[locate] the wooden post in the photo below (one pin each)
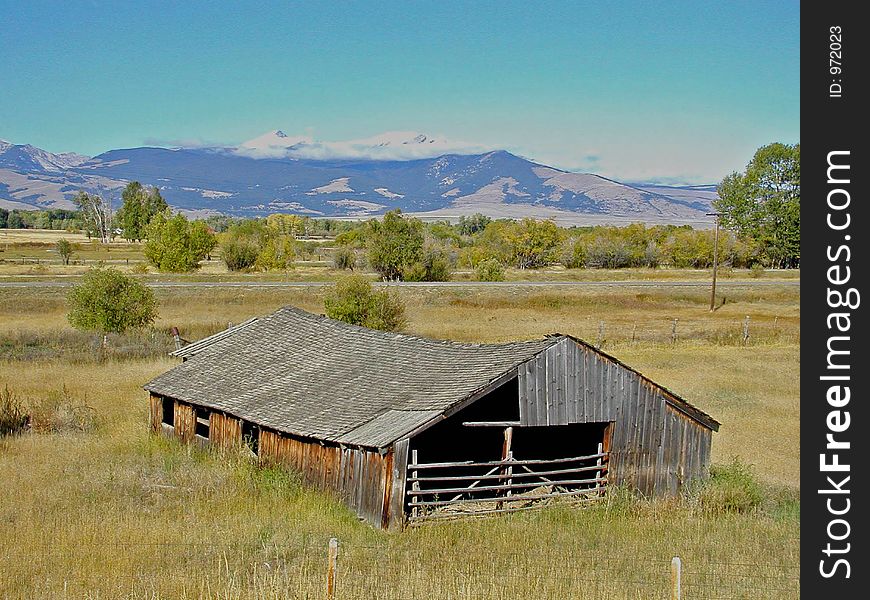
(633, 333)
(415, 485)
(674, 332)
(715, 262)
(598, 473)
(745, 330)
(177, 338)
(600, 335)
(506, 454)
(332, 559)
(676, 575)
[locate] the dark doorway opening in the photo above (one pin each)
(168, 409)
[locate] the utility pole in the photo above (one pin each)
(715, 261)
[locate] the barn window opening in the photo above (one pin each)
(168, 407)
(482, 459)
(251, 436)
(202, 422)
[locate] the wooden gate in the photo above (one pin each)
(454, 489)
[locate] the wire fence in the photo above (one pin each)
(390, 571)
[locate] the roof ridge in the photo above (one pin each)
(550, 337)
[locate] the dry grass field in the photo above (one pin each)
(110, 512)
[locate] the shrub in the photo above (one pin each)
(60, 412)
(238, 254)
(13, 418)
(490, 270)
(756, 270)
(573, 254)
(109, 301)
(344, 259)
(433, 266)
(353, 300)
(731, 488)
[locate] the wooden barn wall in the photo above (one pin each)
(155, 412)
(185, 422)
(655, 447)
(224, 431)
(361, 477)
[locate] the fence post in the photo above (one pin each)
(676, 576)
(745, 330)
(332, 558)
(598, 473)
(600, 334)
(415, 485)
(674, 332)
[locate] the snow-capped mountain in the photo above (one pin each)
(358, 178)
(390, 145)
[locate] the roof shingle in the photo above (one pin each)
(308, 375)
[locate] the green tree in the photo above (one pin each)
(353, 300)
(470, 225)
(139, 206)
(177, 245)
(533, 243)
(763, 202)
(109, 301)
(394, 245)
(65, 249)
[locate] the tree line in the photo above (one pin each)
(759, 210)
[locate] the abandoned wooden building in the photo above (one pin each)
(404, 427)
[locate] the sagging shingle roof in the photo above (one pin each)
(308, 375)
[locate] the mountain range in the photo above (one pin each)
(356, 179)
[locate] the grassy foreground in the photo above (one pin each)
(113, 513)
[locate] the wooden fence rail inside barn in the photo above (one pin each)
(447, 489)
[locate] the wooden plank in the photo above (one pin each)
(570, 381)
(491, 423)
(516, 475)
(660, 483)
(585, 492)
(522, 393)
(155, 405)
(185, 422)
(505, 487)
(487, 511)
(541, 389)
(530, 414)
(562, 383)
(494, 463)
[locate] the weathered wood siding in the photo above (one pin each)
(224, 431)
(655, 447)
(155, 413)
(185, 422)
(362, 478)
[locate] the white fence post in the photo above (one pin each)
(676, 576)
(332, 559)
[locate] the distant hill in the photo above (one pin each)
(262, 177)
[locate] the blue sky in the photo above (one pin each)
(636, 90)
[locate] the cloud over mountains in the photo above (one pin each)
(390, 145)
